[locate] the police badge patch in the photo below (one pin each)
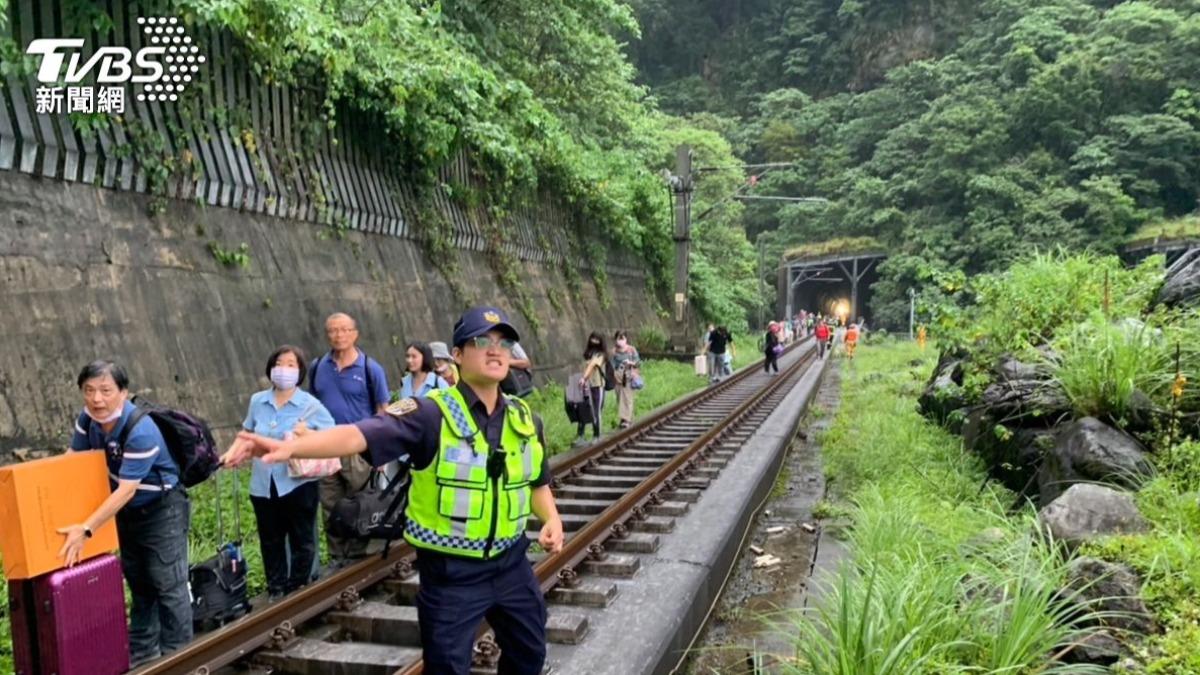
(402, 407)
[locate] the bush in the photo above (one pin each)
(922, 591)
(651, 339)
(1101, 365)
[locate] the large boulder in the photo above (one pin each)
(1011, 455)
(1096, 647)
(1024, 394)
(1112, 589)
(1090, 450)
(1182, 285)
(1086, 512)
(943, 394)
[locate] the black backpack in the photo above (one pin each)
(373, 513)
(188, 438)
(610, 375)
(218, 584)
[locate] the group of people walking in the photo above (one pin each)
(618, 371)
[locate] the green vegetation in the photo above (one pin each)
(840, 245)
(539, 96)
(1038, 303)
(237, 257)
(1090, 329)
(6, 657)
(939, 578)
(1178, 228)
(958, 133)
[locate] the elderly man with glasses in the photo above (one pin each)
(353, 387)
(479, 468)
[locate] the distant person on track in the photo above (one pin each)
(711, 358)
(719, 347)
(626, 364)
(772, 348)
(469, 531)
(592, 382)
(821, 333)
(285, 506)
(851, 340)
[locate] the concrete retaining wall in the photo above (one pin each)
(86, 273)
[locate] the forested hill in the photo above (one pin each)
(960, 133)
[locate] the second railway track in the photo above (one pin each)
(618, 499)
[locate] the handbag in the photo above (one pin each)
(636, 382)
(312, 468)
(373, 513)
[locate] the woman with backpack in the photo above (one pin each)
(594, 357)
(285, 495)
(625, 363)
(772, 348)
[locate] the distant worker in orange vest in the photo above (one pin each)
(921, 337)
(851, 339)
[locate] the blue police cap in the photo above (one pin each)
(479, 320)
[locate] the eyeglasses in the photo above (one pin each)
(484, 342)
(339, 331)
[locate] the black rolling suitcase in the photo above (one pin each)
(218, 584)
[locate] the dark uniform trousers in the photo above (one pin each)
(456, 594)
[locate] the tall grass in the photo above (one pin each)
(1102, 364)
(939, 578)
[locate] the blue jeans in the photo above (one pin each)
(154, 558)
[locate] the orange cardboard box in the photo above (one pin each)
(38, 497)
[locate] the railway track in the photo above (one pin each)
(617, 499)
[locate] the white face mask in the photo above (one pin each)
(105, 420)
(285, 378)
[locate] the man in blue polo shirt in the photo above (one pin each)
(352, 386)
(151, 509)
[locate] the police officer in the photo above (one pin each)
(479, 467)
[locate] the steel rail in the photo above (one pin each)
(275, 624)
(611, 522)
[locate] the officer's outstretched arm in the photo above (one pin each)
(339, 441)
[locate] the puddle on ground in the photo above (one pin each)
(758, 604)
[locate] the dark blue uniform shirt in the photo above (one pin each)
(419, 433)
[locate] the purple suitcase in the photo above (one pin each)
(71, 621)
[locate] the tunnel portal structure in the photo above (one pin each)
(819, 283)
